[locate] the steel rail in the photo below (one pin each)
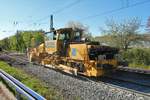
(130, 81)
(20, 87)
(112, 85)
(99, 81)
(134, 70)
(127, 89)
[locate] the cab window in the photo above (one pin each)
(50, 36)
(77, 36)
(63, 36)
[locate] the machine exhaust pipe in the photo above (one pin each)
(51, 23)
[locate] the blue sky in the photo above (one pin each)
(28, 12)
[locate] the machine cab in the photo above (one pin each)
(58, 40)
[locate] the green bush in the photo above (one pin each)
(137, 56)
(22, 40)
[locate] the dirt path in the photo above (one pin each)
(5, 94)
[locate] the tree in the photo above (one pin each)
(28, 35)
(77, 26)
(123, 34)
(148, 24)
(5, 44)
(27, 38)
(13, 43)
(39, 37)
(20, 42)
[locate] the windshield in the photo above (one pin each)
(50, 36)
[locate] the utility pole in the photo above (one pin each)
(51, 23)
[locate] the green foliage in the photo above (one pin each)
(30, 81)
(137, 56)
(139, 66)
(27, 38)
(22, 40)
(39, 38)
(20, 44)
(5, 44)
(13, 43)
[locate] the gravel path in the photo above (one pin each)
(74, 88)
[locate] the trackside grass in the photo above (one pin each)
(140, 66)
(31, 82)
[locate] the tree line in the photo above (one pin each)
(22, 40)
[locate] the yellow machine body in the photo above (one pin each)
(64, 49)
(79, 52)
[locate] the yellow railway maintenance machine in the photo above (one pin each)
(66, 50)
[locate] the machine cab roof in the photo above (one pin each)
(64, 34)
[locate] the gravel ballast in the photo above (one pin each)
(74, 88)
(79, 89)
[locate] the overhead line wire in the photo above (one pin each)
(115, 10)
(61, 9)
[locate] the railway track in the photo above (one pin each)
(134, 70)
(112, 80)
(128, 85)
(120, 84)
